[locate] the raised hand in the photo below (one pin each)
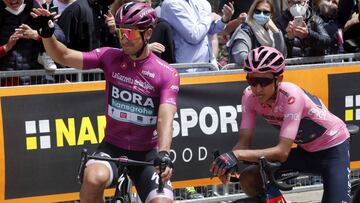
(228, 11)
(44, 22)
(110, 21)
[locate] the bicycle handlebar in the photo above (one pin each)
(122, 161)
(267, 170)
(270, 168)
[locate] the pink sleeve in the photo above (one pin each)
(293, 109)
(170, 87)
(93, 59)
(248, 115)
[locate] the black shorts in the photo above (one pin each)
(332, 164)
(144, 178)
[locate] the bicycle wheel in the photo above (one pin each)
(356, 197)
(248, 200)
(355, 191)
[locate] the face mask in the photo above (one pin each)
(261, 19)
(16, 11)
(297, 10)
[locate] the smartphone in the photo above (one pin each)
(298, 20)
(54, 9)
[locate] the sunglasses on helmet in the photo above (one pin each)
(263, 82)
(130, 34)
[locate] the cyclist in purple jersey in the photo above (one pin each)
(141, 93)
(322, 138)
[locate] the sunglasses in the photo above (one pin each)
(263, 82)
(257, 11)
(130, 34)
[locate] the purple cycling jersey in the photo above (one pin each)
(299, 116)
(134, 92)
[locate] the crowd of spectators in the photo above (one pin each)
(187, 31)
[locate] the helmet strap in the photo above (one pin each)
(276, 88)
(141, 50)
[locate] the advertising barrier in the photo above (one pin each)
(44, 128)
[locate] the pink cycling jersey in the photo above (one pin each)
(299, 116)
(134, 91)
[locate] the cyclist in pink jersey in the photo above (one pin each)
(141, 93)
(322, 138)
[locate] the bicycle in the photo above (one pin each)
(123, 185)
(272, 187)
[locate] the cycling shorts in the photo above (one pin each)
(141, 176)
(332, 164)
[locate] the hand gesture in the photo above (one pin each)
(110, 21)
(26, 32)
(290, 30)
(12, 41)
(301, 31)
(271, 26)
(157, 47)
(44, 22)
(228, 11)
(242, 17)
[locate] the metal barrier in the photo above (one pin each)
(338, 58)
(36, 77)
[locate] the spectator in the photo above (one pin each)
(259, 29)
(88, 25)
(161, 41)
(328, 10)
(345, 9)
(239, 16)
(48, 4)
(62, 4)
(193, 24)
(352, 31)
(20, 41)
(305, 37)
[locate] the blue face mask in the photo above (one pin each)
(261, 19)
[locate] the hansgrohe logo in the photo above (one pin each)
(352, 107)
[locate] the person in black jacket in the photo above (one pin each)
(306, 36)
(88, 24)
(328, 11)
(352, 31)
(20, 43)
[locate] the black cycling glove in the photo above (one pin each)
(45, 26)
(227, 161)
(163, 160)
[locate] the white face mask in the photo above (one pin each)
(297, 10)
(16, 11)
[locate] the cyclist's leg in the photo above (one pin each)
(97, 176)
(250, 181)
(146, 182)
(336, 173)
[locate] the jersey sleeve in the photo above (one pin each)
(93, 59)
(293, 109)
(248, 115)
(170, 87)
